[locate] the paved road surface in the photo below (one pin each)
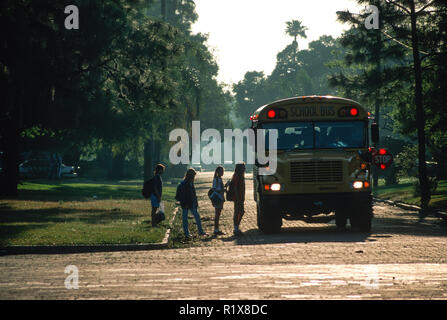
(401, 259)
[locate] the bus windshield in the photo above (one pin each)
(317, 135)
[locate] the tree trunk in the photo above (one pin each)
(171, 8)
(105, 159)
(118, 167)
(163, 9)
(378, 101)
(10, 172)
(375, 170)
(9, 178)
(420, 115)
(148, 159)
(441, 163)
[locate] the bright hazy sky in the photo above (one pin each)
(246, 35)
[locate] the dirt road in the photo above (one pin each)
(401, 259)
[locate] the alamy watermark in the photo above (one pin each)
(372, 277)
(211, 153)
(72, 280)
(372, 21)
(72, 20)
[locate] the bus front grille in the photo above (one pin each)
(316, 171)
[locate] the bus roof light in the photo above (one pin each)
(271, 114)
(354, 112)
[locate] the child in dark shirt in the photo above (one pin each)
(157, 191)
(239, 196)
(189, 202)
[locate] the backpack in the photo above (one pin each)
(180, 192)
(148, 188)
(210, 192)
(160, 215)
(215, 196)
(230, 191)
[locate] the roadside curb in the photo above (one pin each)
(406, 206)
(72, 249)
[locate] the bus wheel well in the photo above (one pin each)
(269, 220)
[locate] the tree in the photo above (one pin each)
(373, 52)
(296, 73)
(250, 94)
(44, 67)
(197, 93)
(295, 29)
(102, 82)
(409, 26)
(417, 16)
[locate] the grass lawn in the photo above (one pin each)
(404, 192)
(75, 212)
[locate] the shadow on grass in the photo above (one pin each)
(14, 222)
(55, 215)
(74, 192)
(82, 190)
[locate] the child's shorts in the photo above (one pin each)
(154, 201)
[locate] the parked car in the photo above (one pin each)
(34, 168)
(40, 168)
(68, 171)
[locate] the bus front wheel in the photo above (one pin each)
(269, 220)
(341, 219)
(361, 217)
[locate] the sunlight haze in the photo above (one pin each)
(246, 35)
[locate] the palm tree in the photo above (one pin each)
(295, 29)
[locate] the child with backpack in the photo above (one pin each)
(236, 193)
(186, 195)
(217, 197)
(153, 189)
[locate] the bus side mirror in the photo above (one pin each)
(375, 133)
(366, 156)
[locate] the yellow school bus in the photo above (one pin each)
(323, 168)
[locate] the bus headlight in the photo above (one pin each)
(272, 187)
(357, 184)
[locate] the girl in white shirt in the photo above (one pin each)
(219, 188)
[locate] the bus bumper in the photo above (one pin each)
(312, 204)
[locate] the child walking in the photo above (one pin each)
(238, 181)
(189, 202)
(158, 191)
(218, 198)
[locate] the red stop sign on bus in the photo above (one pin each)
(382, 158)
